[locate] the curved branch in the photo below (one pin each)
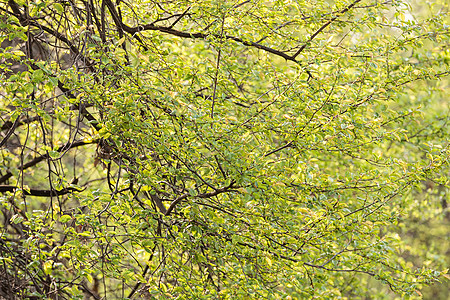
(8, 124)
(39, 193)
(38, 159)
(26, 20)
(197, 35)
(10, 131)
(339, 270)
(322, 28)
(175, 202)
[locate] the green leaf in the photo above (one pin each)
(59, 8)
(16, 219)
(65, 218)
(48, 267)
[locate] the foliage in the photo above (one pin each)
(223, 149)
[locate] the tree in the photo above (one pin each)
(221, 149)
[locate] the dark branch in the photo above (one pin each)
(322, 28)
(38, 159)
(26, 20)
(8, 124)
(10, 131)
(39, 193)
(205, 195)
(338, 270)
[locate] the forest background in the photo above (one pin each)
(224, 149)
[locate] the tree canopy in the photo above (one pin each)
(223, 149)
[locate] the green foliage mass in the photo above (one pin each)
(224, 149)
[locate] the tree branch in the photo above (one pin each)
(39, 193)
(38, 159)
(322, 28)
(205, 195)
(10, 131)
(197, 35)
